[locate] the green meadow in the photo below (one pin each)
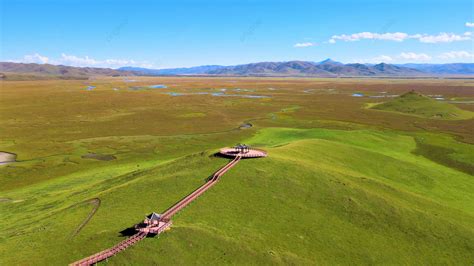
(413, 103)
(343, 184)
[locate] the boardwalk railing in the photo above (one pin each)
(111, 251)
(188, 199)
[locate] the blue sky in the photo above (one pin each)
(162, 34)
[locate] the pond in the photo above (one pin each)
(246, 125)
(182, 94)
(7, 157)
(158, 86)
(438, 97)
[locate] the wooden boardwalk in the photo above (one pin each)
(111, 251)
(198, 192)
(165, 220)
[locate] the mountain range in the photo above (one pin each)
(326, 68)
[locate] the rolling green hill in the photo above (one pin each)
(321, 197)
(414, 103)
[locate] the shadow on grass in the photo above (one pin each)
(128, 232)
(220, 155)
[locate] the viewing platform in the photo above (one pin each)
(243, 151)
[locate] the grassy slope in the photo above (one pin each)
(416, 104)
(323, 196)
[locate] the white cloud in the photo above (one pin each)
(457, 55)
(411, 57)
(396, 36)
(304, 44)
(382, 59)
(72, 60)
(401, 36)
(442, 37)
(77, 61)
(34, 58)
(469, 24)
(414, 56)
(375, 60)
(400, 58)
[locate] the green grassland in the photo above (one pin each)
(341, 185)
(419, 105)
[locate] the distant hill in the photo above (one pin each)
(10, 70)
(326, 68)
(454, 69)
(291, 68)
(414, 103)
(173, 71)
